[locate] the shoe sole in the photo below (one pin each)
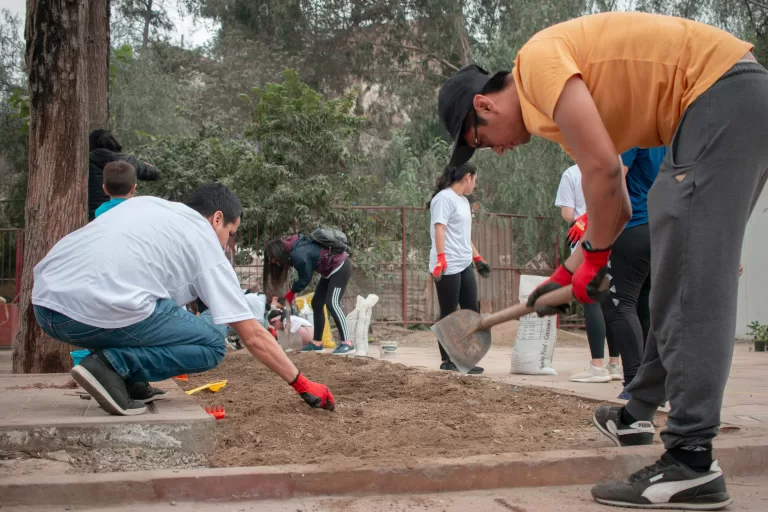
(145, 401)
(89, 383)
(669, 506)
(350, 353)
(606, 433)
(592, 380)
(617, 377)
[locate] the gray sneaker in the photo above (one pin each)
(106, 386)
(615, 371)
(667, 484)
(607, 419)
(592, 374)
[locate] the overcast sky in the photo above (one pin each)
(195, 34)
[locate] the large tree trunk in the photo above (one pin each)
(58, 163)
(98, 64)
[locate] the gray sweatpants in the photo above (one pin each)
(698, 210)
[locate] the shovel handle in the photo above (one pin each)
(554, 298)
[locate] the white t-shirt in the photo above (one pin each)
(453, 210)
(297, 323)
(110, 272)
(569, 193)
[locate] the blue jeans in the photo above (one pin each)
(170, 342)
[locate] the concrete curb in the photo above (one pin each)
(738, 457)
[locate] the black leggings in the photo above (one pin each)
(593, 318)
(329, 293)
(457, 290)
(626, 310)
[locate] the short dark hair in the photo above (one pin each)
(103, 139)
(275, 313)
(210, 198)
(119, 178)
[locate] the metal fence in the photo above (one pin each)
(11, 241)
(391, 253)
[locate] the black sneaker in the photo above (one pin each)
(143, 392)
(667, 484)
(449, 366)
(607, 419)
(106, 386)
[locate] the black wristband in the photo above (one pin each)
(588, 247)
(297, 378)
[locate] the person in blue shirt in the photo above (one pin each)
(119, 184)
(627, 310)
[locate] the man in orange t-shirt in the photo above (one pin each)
(599, 85)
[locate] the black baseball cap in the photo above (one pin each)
(455, 103)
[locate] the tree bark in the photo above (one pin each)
(98, 64)
(147, 23)
(58, 159)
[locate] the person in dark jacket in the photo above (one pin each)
(307, 257)
(103, 148)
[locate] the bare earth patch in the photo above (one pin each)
(386, 414)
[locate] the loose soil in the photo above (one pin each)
(386, 414)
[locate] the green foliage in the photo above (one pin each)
(288, 170)
(145, 97)
(758, 331)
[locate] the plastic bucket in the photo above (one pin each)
(387, 348)
(79, 355)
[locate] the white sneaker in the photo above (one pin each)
(616, 371)
(592, 374)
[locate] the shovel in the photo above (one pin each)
(466, 335)
(216, 386)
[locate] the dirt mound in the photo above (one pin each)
(386, 414)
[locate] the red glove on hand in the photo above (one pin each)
(589, 276)
(482, 266)
(289, 297)
(440, 268)
(559, 278)
(577, 230)
(273, 332)
(317, 396)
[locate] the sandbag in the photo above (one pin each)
(536, 337)
(359, 322)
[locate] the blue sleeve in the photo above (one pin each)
(304, 268)
(628, 157)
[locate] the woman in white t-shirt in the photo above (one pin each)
(452, 254)
(303, 328)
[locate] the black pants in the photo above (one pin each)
(626, 309)
(454, 291)
(329, 293)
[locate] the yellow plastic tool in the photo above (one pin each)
(327, 340)
(213, 386)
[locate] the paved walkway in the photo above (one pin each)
(749, 495)
(746, 397)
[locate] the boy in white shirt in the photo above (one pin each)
(116, 287)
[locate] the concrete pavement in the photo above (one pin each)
(749, 495)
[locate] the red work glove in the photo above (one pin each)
(317, 396)
(440, 268)
(289, 297)
(482, 266)
(272, 331)
(589, 276)
(559, 278)
(577, 230)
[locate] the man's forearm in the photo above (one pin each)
(263, 347)
(605, 193)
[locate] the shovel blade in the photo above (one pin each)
(462, 339)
